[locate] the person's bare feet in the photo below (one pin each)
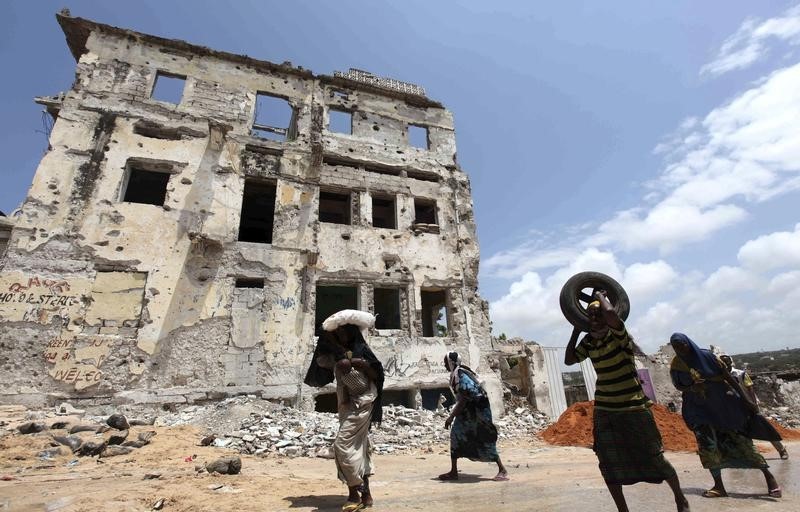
(450, 475)
(683, 505)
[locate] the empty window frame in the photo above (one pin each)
(418, 136)
(144, 186)
(334, 207)
(387, 308)
(168, 87)
(384, 213)
(275, 118)
(331, 299)
(435, 320)
(258, 212)
(424, 211)
(340, 121)
(249, 282)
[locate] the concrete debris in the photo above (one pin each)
(66, 409)
(225, 466)
(90, 449)
(277, 430)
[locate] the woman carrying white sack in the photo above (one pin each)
(342, 353)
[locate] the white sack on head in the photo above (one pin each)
(362, 319)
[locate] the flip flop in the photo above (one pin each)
(501, 478)
(448, 476)
(352, 506)
(776, 492)
(784, 454)
(713, 493)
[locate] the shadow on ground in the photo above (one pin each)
(320, 502)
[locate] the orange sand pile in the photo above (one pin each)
(790, 434)
(574, 428)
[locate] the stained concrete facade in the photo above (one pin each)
(129, 275)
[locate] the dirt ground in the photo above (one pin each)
(542, 478)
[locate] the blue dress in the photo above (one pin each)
(473, 434)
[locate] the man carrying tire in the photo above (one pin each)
(626, 440)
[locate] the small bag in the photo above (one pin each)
(355, 382)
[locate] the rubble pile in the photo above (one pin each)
(274, 429)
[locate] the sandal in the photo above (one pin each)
(784, 454)
(352, 506)
(776, 492)
(714, 493)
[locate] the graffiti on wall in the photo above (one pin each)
(39, 299)
(76, 360)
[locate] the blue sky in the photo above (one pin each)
(657, 142)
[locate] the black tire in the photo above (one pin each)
(572, 295)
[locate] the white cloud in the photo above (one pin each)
(772, 251)
(645, 280)
(716, 169)
(749, 43)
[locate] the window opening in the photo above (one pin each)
(418, 136)
(431, 398)
(275, 118)
(168, 87)
(326, 402)
(249, 282)
(258, 212)
(339, 94)
(146, 187)
(340, 121)
(404, 397)
(424, 211)
(383, 212)
(331, 299)
(334, 207)
(387, 308)
(435, 321)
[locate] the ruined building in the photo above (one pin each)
(199, 213)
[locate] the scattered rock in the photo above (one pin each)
(83, 428)
(118, 421)
(50, 453)
(208, 440)
(66, 409)
(91, 448)
(114, 450)
(145, 437)
(225, 466)
(142, 422)
(59, 425)
(152, 476)
(31, 427)
(159, 504)
(73, 442)
(118, 437)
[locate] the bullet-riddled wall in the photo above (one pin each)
(184, 248)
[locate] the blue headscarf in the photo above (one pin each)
(700, 359)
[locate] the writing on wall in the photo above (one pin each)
(76, 360)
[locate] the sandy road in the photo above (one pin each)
(542, 478)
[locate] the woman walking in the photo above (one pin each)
(717, 416)
(472, 432)
(343, 353)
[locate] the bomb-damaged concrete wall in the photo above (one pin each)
(104, 299)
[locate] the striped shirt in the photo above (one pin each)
(618, 387)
